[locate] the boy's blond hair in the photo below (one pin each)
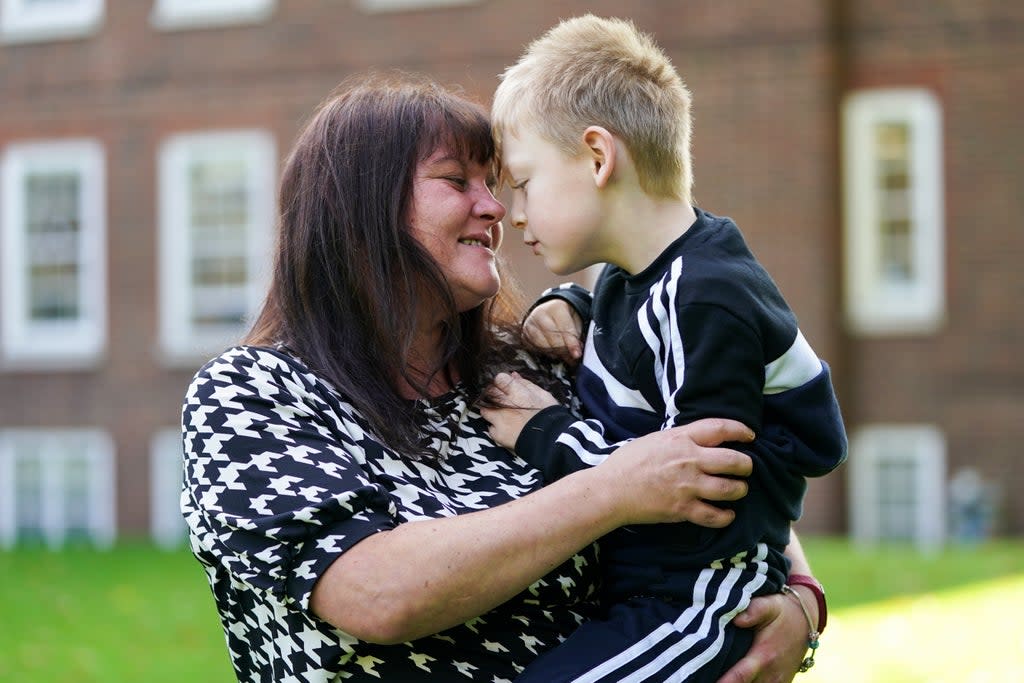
(589, 71)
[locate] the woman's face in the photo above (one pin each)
(456, 218)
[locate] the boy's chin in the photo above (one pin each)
(560, 267)
(568, 270)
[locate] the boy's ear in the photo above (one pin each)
(600, 145)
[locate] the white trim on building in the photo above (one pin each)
(216, 214)
(53, 255)
(56, 486)
(897, 484)
(894, 211)
(186, 14)
(24, 21)
(374, 6)
(167, 526)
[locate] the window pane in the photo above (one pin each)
(52, 235)
(76, 498)
(28, 498)
(219, 221)
(893, 178)
(897, 499)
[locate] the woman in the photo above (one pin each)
(354, 519)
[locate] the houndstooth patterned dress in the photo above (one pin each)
(281, 477)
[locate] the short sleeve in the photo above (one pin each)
(275, 483)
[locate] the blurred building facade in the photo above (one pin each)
(870, 150)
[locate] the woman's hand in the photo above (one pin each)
(780, 639)
(675, 475)
(556, 328)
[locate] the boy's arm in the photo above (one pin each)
(529, 421)
(804, 427)
(719, 369)
(578, 297)
(556, 323)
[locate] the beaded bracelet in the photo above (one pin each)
(812, 635)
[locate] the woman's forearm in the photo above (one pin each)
(425, 576)
(798, 563)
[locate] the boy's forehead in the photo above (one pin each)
(516, 147)
(526, 147)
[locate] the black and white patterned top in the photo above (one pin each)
(282, 476)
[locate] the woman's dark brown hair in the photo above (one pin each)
(349, 278)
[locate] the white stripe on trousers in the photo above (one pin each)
(674, 650)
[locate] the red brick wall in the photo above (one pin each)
(966, 378)
(765, 77)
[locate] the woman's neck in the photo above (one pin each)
(423, 366)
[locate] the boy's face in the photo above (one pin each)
(554, 201)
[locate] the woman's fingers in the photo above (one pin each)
(707, 515)
(712, 431)
(780, 641)
(718, 484)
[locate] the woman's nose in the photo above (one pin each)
(490, 208)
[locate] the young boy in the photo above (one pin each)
(593, 127)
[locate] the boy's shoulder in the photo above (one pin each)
(711, 248)
(712, 264)
(714, 248)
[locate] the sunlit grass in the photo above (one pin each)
(963, 635)
(853, 576)
(136, 613)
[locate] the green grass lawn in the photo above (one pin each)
(140, 614)
(132, 614)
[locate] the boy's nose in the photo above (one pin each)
(519, 220)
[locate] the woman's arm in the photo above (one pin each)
(423, 577)
(781, 630)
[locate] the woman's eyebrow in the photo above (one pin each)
(447, 159)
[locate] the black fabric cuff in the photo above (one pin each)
(536, 443)
(575, 295)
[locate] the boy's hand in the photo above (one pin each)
(520, 399)
(556, 328)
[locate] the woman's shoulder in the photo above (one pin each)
(260, 367)
(277, 359)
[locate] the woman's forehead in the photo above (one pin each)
(460, 138)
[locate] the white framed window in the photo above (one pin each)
(893, 212)
(402, 5)
(217, 212)
(53, 255)
(178, 14)
(167, 526)
(897, 487)
(41, 20)
(56, 487)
